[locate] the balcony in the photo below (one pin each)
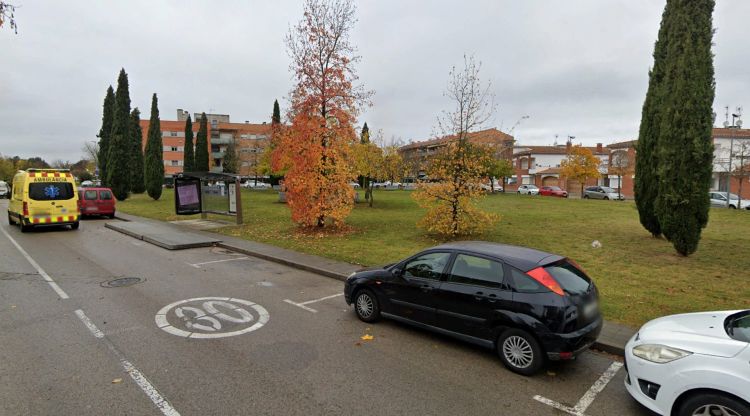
(222, 140)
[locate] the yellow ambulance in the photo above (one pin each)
(43, 197)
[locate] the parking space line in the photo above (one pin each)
(588, 397)
(38, 268)
(302, 304)
(161, 403)
(197, 265)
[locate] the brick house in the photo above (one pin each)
(417, 155)
(541, 166)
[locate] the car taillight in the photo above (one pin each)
(25, 209)
(541, 276)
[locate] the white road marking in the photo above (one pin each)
(161, 403)
(197, 265)
(208, 312)
(302, 304)
(588, 397)
(291, 302)
(38, 268)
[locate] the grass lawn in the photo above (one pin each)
(639, 277)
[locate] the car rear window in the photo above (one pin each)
(571, 278)
(105, 195)
(50, 191)
(738, 326)
(89, 195)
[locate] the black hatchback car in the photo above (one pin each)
(526, 304)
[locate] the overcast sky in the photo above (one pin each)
(576, 67)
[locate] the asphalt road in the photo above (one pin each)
(102, 350)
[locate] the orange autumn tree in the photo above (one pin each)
(460, 166)
(314, 148)
(580, 164)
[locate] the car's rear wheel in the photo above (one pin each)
(366, 306)
(732, 207)
(606, 198)
(520, 352)
(10, 219)
(24, 228)
(75, 225)
(710, 404)
(585, 197)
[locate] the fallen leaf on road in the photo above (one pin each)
(367, 337)
(358, 344)
(117, 381)
(551, 373)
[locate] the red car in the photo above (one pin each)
(96, 201)
(553, 191)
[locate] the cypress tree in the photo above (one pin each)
(137, 186)
(104, 133)
(276, 117)
(188, 164)
(201, 146)
(231, 160)
(364, 137)
(646, 162)
(685, 148)
(120, 146)
(153, 171)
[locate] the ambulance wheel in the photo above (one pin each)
(75, 225)
(25, 228)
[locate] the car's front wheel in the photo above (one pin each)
(520, 352)
(713, 404)
(585, 197)
(366, 306)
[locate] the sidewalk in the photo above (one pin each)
(612, 338)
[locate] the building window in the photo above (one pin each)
(526, 180)
(261, 137)
(173, 148)
(253, 137)
(175, 162)
(243, 136)
(524, 163)
(173, 133)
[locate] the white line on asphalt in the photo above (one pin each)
(302, 304)
(197, 265)
(141, 380)
(291, 302)
(588, 397)
(38, 268)
(318, 300)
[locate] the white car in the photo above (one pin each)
(259, 185)
(692, 364)
(528, 190)
(719, 199)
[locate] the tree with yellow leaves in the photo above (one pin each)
(460, 166)
(580, 164)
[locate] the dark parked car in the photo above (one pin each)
(526, 304)
(553, 191)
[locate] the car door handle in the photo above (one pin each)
(479, 295)
(492, 298)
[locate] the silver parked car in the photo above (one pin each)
(719, 199)
(602, 192)
(528, 190)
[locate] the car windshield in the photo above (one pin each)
(50, 191)
(608, 190)
(738, 326)
(532, 187)
(554, 188)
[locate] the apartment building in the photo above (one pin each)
(250, 142)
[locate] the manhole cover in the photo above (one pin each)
(122, 282)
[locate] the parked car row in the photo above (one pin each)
(531, 307)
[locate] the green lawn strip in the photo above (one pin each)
(639, 277)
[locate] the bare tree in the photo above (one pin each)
(620, 165)
(90, 151)
(459, 165)
(741, 168)
(8, 13)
